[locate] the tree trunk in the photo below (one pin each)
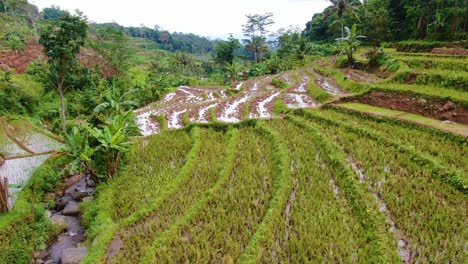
(342, 28)
(62, 105)
(3, 194)
(255, 53)
(4, 7)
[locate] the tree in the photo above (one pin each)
(340, 7)
(232, 70)
(224, 50)
(62, 41)
(256, 30)
(377, 22)
(53, 13)
(112, 44)
(351, 42)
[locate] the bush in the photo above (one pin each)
(378, 58)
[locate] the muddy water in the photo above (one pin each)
(229, 114)
(203, 114)
(23, 154)
(261, 110)
(176, 119)
(18, 172)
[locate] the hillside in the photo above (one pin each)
(305, 186)
(137, 145)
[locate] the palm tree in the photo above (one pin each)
(340, 7)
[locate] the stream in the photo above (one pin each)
(66, 247)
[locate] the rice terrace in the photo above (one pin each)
(344, 142)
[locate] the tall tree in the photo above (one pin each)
(340, 7)
(112, 44)
(62, 41)
(256, 29)
(377, 23)
(224, 50)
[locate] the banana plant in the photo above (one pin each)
(112, 144)
(79, 150)
(351, 42)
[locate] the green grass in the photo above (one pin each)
(436, 63)
(26, 228)
(427, 91)
(279, 84)
(421, 120)
(436, 77)
(207, 165)
(315, 226)
(316, 92)
(408, 134)
(428, 212)
(160, 159)
(215, 234)
(346, 83)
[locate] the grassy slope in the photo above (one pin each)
(418, 119)
(428, 211)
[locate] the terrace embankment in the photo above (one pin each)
(437, 108)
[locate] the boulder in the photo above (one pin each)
(72, 208)
(449, 106)
(88, 199)
(73, 255)
(62, 202)
(78, 195)
(58, 219)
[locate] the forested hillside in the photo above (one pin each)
(340, 141)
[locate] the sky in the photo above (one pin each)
(210, 18)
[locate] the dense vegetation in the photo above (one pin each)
(372, 170)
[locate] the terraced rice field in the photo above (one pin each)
(332, 181)
(24, 148)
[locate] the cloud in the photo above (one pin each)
(213, 18)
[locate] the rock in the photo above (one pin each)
(58, 219)
(78, 195)
(422, 101)
(449, 106)
(73, 255)
(50, 261)
(62, 202)
(90, 182)
(41, 254)
(448, 122)
(39, 261)
(72, 208)
(88, 199)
